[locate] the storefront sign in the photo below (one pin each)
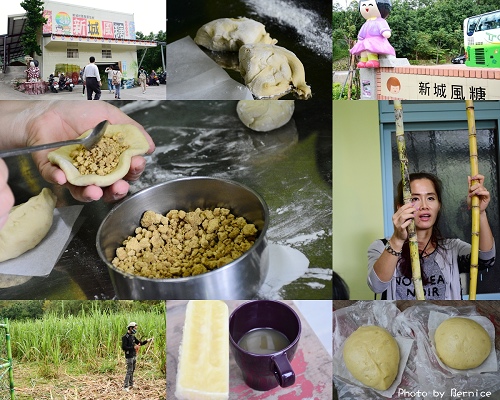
(433, 87)
(65, 20)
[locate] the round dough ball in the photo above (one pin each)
(27, 225)
(371, 355)
(462, 343)
(265, 115)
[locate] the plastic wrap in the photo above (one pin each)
(489, 365)
(423, 376)
(386, 315)
(434, 377)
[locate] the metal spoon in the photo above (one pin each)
(87, 142)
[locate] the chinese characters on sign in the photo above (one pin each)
(83, 16)
(83, 25)
(94, 28)
(434, 87)
(453, 92)
(47, 27)
(79, 27)
(107, 30)
(119, 30)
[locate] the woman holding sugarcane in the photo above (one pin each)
(441, 260)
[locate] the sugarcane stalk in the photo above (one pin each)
(405, 177)
(149, 345)
(474, 170)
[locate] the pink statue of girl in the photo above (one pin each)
(33, 72)
(373, 35)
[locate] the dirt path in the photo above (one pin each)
(107, 386)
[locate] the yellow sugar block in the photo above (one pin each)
(203, 370)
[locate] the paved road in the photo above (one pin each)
(7, 92)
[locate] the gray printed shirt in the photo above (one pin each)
(442, 267)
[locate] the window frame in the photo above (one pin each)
(425, 116)
(105, 51)
(73, 50)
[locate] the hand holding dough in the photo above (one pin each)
(272, 71)
(229, 34)
(462, 343)
(371, 355)
(130, 136)
(263, 116)
(27, 225)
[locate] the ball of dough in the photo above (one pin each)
(27, 225)
(462, 343)
(371, 355)
(229, 34)
(263, 116)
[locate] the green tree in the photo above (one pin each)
(432, 28)
(345, 24)
(423, 46)
(34, 22)
(21, 310)
(421, 29)
(152, 56)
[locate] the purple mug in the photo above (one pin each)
(265, 371)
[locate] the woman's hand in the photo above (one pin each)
(478, 189)
(68, 120)
(6, 196)
(401, 219)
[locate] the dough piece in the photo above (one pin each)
(229, 34)
(462, 343)
(132, 137)
(263, 116)
(27, 225)
(272, 71)
(203, 370)
(371, 355)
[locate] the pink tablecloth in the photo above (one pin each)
(34, 87)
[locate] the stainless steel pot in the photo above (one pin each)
(240, 279)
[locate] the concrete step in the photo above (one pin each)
(13, 73)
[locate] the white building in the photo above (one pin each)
(74, 33)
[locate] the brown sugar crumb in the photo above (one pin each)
(181, 244)
(102, 158)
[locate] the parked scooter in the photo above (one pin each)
(163, 78)
(68, 84)
(65, 83)
(53, 85)
(153, 79)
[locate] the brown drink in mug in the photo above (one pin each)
(264, 336)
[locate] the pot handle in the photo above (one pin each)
(283, 371)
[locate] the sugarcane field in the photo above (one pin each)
(73, 349)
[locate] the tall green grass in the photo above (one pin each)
(88, 342)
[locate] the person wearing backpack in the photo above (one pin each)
(131, 345)
(116, 78)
